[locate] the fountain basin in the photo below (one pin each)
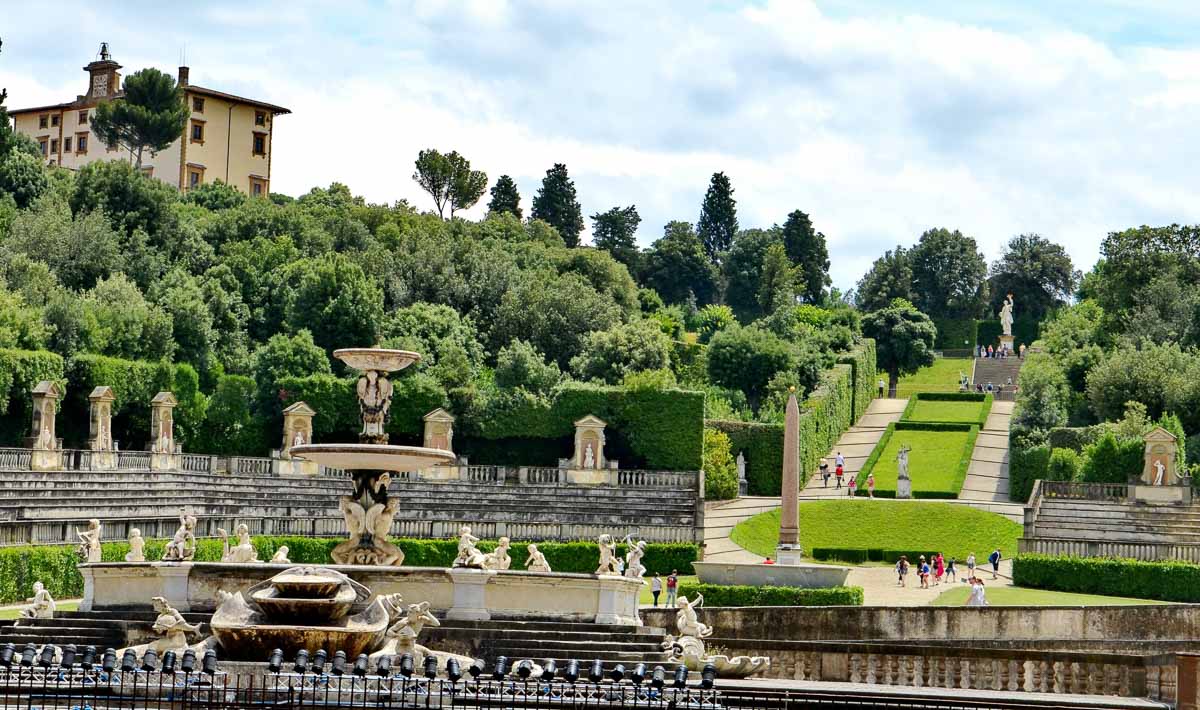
(378, 359)
(373, 457)
(250, 638)
(277, 606)
(307, 583)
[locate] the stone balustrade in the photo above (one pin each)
(1150, 551)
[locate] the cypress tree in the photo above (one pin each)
(615, 232)
(806, 249)
(555, 204)
(718, 217)
(505, 197)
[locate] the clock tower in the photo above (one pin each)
(104, 79)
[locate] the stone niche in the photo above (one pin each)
(297, 431)
(439, 434)
(588, 465)
(47, 449)
(164, 454)
(1160, 482)
(100, 440)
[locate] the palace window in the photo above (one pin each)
(260, 144)
(83, 117)
(198, 104)
(258, 187)
(54, 120)
(67, 144)
(81, 142)
(45, 146)
(195, 175)
(197, 131)
(43, 120)
(53, 145)
(260, 118)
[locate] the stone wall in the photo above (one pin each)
(1156, 622)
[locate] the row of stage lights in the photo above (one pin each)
(72, 657)
(404, 666)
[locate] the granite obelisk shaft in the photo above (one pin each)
(788, 552)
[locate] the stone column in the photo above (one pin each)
(788, 551)
(163, 454)
(100, 440)
(588, 463)
(439, 434)
(297, 431)
(47, 450)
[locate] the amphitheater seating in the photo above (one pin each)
(1118, 521)
(46, 507)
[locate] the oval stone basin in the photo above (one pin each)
(374, 457)
(305, 609)
(380, 359)
(307, 584)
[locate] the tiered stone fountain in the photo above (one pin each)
(369, 509)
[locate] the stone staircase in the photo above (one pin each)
(560, 641)
(102, 629)
(1116, 522)
(998, 371)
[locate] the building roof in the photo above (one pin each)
(203, 91)
(36, 109)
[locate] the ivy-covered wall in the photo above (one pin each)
(20, 371)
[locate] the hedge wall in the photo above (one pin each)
(1075, 438)
(1025, 465)
(950, 397)
(20, 371)
(863, 370)
(956, 333)
(1166, 581)
(960, 472)
(54, 565)
(762, 445)
(717, 595)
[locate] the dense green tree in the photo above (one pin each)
(675, 266)
(712, 319)
(181, 296)
(230, 317)
(332, 297)
(743, 269)
(231, 427)
(609, 355)
(505, 198)
(131, 200)
(119, 321)
(904, 338)
(22, 176)
(554, 313)
(285, 356)
(615, 231)
(607, 275)
(449, 180)
(779, 281)
(807, 250)
(720, 469)
(555, 204)
(1148, 374)
(434, 330)
(149, 115)
(21, 325)
(718, 223)
(79, 250)
(215, 196)
(890, 277)
(746, 359)
(1037, 271)
(949, 275)
(519, 364)
(1045, 394)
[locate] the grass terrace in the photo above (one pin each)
(941, 376)
(937, 461)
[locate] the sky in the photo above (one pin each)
(879, 118)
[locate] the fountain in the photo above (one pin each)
(369, 509)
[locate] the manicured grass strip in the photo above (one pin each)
(937, 463)
(941, 376)
(14, 612)
(1019, 596)
(953, 530)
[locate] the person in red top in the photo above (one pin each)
(672, 584)
(838, 473)
(768, 561)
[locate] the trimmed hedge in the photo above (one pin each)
(1025, 465)
(863, 369)
(956, 333)
(1115, 577)
(960, 472)
(762, 445)
(717, 595)
(986, 398)
(20, 371)
(54, 565)
(1025, 330)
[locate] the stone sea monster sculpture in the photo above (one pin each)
(688, 647)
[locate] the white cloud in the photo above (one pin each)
(879, 124)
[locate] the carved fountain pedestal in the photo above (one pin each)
(369, 508)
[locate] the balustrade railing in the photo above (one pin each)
(15, 458)
(543, 475)
(1149, 551)
(656, 479)
(486, 474)
(198, 463)
(246, 466)
(134, 460)
(1086, 491)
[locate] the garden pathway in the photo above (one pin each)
(879, 584)
(719, 519)
(856, 445)
(987, 475)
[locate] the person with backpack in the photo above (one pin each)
(994, 558)
(902, 569)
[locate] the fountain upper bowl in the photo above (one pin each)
(380, 359)
(373, 457)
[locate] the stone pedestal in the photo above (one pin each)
(1177, 494)
(807, 576)
(591, 477)
(1006, 343)
(788, 554)
(439, 430)
(163, 453)
(100, 440)
(297, 431)
(470, 599)
(47, 449)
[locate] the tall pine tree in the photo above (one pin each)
(806, 249)
(718, 217)
(505, 197)
(614, 231)
(555, 204)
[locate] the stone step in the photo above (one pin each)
(521, 625)
(608, 658)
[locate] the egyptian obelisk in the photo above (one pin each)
(788, 552)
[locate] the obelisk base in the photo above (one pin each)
(788, 555)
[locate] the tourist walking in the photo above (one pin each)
(825, 472)
(951, 573)
(977, 597)
(870, 485)
(970, 565)
(850, 487)
(939, 569)
(881, 388)
(839, 459)
(837, 476)
(923, 572)
(994, 558)
(902, 569)
(672, 584)
(655, 587)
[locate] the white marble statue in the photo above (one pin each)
(406, 624)
(498, 558)
(298, 440)
(281, 556)
(687, 621)
(741, 466)
(89, 542)
(243, 551)
(589, 457)
(182, 547)
(903, 482)
(173, 632)
(537, 560)
(136, 547)
(1006, 315)
(608, 555)
(634, 569)
(468, 554)
(374, 399)
(1159, 472)
(41, 604)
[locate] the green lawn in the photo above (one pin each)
(953, 530)
(14, 612)
(646, 599)
(933, 411)
(941, 376)
(1019, 596)
(933, 462)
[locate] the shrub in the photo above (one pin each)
(1113, 460)
(20, 371)
(720, 470)
(1074, 438)
(1026, 464)
(1064, 465)
(1167, 581)
(717, 595)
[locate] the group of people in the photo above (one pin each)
(656, 587)
(1000, 353)
(933, 570)
(839, 474)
